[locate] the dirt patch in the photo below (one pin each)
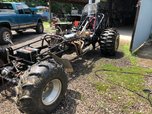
(7, 103)
(145, 62)
(145, 55)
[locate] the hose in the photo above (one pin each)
(148, 91)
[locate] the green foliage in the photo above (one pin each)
(30, 3)
(64, 7)
(56, 7)
(10, 0)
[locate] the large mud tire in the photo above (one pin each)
(109, 42)
(35, 82)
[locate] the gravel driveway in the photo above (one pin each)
(82, 97)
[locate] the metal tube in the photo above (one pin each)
(90, 1)
(89, 10)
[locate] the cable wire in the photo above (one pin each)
(123, 72)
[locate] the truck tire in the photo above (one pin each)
(5, 35)
(109, 42)
(41, 88)
(39, 28)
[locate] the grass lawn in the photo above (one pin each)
(47, 28)
(125, 86)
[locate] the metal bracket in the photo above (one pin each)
(66, 63)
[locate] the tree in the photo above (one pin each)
(29, 2)
(57, 7)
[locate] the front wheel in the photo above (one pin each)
(42, 88)
(39, 28)
(5, 35)
(109, 42)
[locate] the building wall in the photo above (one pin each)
(96, 1)
(144, 24)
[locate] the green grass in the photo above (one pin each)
(122, 82)
(47, 28)
(46, 24)
(101, 86)
(131, 77)
(128, 55)
(133, 81)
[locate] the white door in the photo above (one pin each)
(143, 25)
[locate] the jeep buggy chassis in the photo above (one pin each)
(39, 72)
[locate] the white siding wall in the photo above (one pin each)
(144, 24)
(96, 1)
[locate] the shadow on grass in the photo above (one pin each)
(118, 55)
(85, 64)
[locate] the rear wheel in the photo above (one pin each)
(39, 28)
(5, 35)
(42, 88)
(109, 42)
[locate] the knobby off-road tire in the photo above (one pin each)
(39, 28)
(5, 35)
(109, 42)
(41, 88)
